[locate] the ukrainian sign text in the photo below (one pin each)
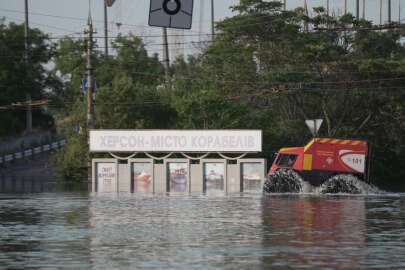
(175, 140)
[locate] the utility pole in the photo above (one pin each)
(345, 7)
(200, 26)
(306, 13)
(28, 67)
(380, 12)
(212, 19)
(285, 5)
(357, 9)
(399, 11)
(90, 84)
(105, 29)
(107, 3)
(364, 10)
(90, 75)
(165, 52)
(327, 13)
(389, 11)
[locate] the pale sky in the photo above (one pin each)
(68, 17)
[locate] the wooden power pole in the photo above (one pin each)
(90, 90)
(105, 29)
(166, 60)
(28, 67)
(90, 75)
(212, 19)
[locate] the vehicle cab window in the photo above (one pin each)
(286, 160)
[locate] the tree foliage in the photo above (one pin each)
(266, 69)
(19, 77)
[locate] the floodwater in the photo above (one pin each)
(55, 228)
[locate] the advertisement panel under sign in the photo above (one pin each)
(176, 141)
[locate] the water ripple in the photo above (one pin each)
(127, 231)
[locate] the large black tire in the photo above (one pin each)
(341, 183)
(282, 181)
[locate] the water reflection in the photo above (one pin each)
(39, 231)
(386, 231)
(175, 231)
(23, 184)
(326, 232)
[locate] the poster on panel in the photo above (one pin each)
(178, 176)
(142, 176)
(214, 174)
(107, 177)
(251, 176)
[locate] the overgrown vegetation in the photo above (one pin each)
(262, 71)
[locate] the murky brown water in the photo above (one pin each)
(77, 230)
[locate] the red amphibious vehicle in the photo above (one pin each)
(320, 160)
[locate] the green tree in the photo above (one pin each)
(19, 78)
(265, 69)
(127, 96)
(265, 60)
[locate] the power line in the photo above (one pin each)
(138, 36)
(70, 18)
(255, 83)
(262, 93)
(43, 25)
(373, 28)
(392, 26)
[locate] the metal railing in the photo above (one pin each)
(33, 151)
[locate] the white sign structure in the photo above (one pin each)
(171, 13)
(225, 141)
(314, 125)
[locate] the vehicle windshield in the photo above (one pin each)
(286, 160)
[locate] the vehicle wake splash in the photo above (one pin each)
(343, 183)
(289, 181)
(283, 181)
